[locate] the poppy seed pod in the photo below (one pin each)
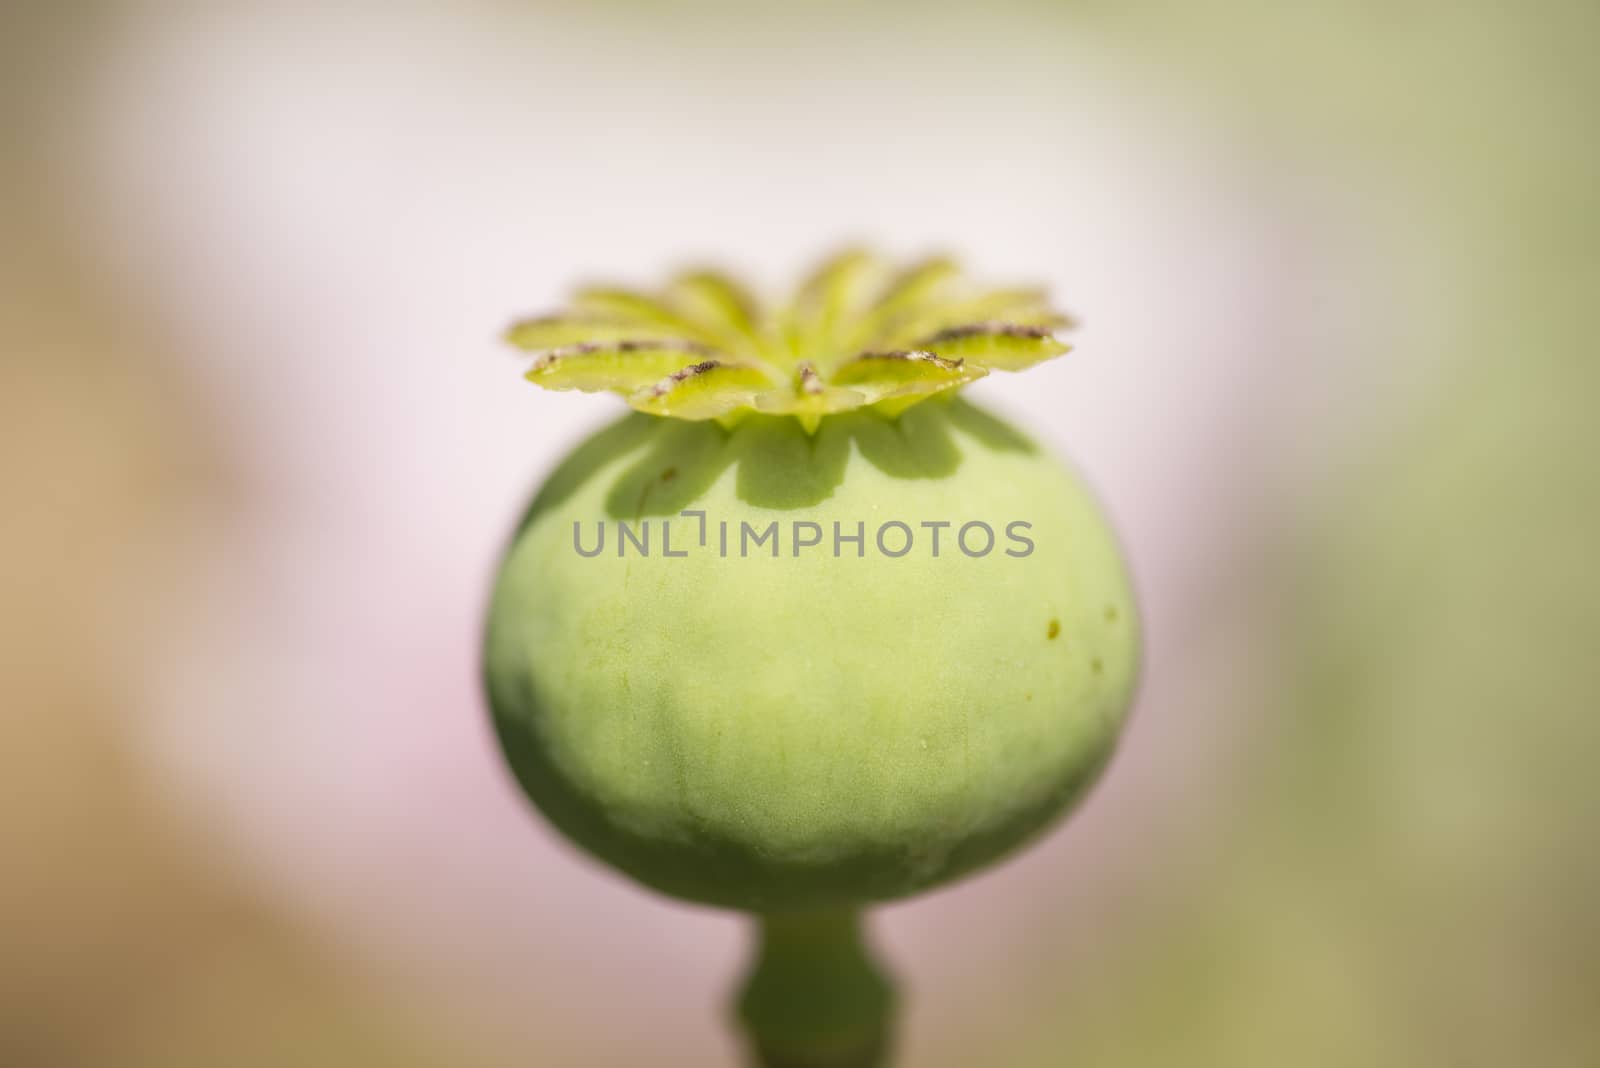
(806, 630)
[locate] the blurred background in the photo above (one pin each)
(1338, 266)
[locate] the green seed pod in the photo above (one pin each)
(830, 713)
(789, 641)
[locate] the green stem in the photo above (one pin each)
(814, 997)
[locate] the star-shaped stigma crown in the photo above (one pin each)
(857, 333)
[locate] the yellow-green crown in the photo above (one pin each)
(857, 333)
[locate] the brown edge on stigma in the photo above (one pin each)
(810, 382)
(661, 387)
(671, 344)
(957, 333)
(550, 357)
(915, 356)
